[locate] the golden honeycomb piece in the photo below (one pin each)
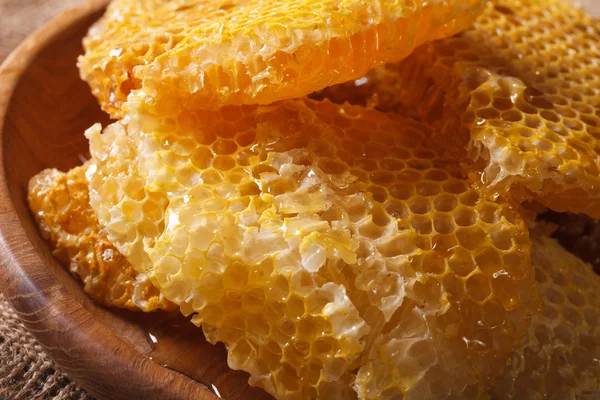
(558, 357)
(297, 339)
(203, 54)
(318, 240)
(60, 203)
(523, 84)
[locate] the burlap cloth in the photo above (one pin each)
(26, 372)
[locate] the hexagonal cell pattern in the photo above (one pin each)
(205, 54)
(60, 203)
(318, 240)
(520, 89)
(558, 357)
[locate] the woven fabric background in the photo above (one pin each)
(26, 372)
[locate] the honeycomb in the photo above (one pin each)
(203, 53)
(329, 247)
(520, 90)
(60, 204)
(383, 88)
(577, 233)
(297, 339)
(558, 357)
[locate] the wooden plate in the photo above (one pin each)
(114, 354)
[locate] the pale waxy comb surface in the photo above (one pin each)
(258, 218)
(201, 53)
(524, 85)
(559, 356)
(555, 357)
(59, 202)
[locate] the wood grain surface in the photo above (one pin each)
(44, 108)
(18, 18)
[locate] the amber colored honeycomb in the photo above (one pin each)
(577, 233)
(523, 84)
(60, 203)
(205, 54)
(559, 356)
(382, 88)
(316, 241)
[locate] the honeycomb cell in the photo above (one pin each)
(229, 288)
(518, 91)
(558, 356)
(344, 278)
(145, 218)
(203, 54)
(60, 203)
(579, 234)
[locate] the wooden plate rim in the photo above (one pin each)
(27, 283)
